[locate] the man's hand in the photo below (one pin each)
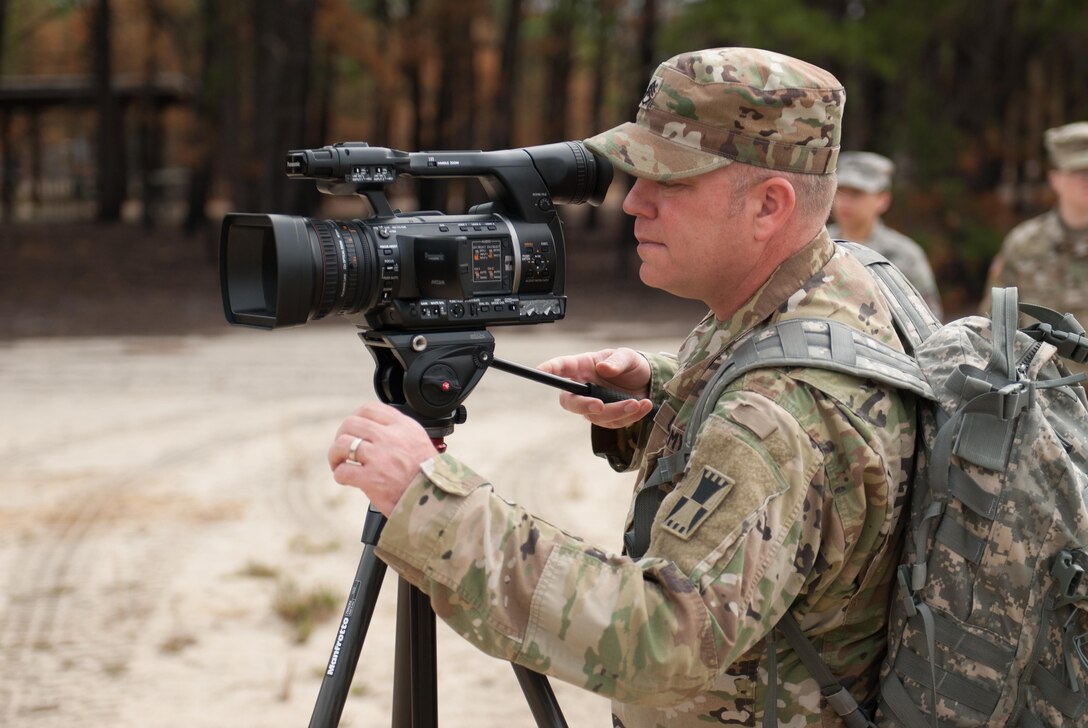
(623, 369)
(389, 448)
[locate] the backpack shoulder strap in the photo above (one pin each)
(913, 319)
(804, 342)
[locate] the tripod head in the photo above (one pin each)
(427, 376)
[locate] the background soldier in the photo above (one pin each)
(793, 494)
(864, 194)
(1046, 257)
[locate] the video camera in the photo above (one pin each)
(421, 287)
(501, 263)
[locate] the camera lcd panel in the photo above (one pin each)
(487, 261)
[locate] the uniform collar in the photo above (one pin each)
(786, 280)
(712, 336)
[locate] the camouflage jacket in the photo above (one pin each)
(907, 256)
(799, 479)
(1048, 263)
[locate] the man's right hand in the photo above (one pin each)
(623, 369)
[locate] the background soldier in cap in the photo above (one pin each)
(794, 491)
(1046, 257)
(864, 194)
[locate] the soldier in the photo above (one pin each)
(1046, 257)
(795, 487)
(864, 194)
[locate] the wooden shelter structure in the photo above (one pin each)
(131, 97)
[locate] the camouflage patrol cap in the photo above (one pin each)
(1068, 146)
(707, 109)
(865, 171)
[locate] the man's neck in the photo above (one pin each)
(858, 233)
(1074, 217)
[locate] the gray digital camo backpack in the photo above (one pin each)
(989, 621)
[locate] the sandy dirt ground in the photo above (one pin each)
(162, 494)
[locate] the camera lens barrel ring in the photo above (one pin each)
(330, 260)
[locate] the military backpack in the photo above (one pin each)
(989, 620)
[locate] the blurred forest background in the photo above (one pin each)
(128, 126)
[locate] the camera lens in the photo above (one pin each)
(280, 270)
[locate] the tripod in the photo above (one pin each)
(426, 377)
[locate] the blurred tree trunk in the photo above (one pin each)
(382, 101)
(110, 160)
(217, 83)
(3, 31)
(602, 36)
(7, 170)
(151, 136)
(647, 63)
(412, 67)
(456, 93)
(560, 42)
(508, 84)
(284, 49)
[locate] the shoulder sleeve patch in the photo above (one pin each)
(689, 512)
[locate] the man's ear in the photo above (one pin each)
(777, 202)
(884, 202)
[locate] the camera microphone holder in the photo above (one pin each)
(426, 376)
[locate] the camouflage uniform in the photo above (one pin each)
(907, 256)
(1048, 263)
(799, 482)
(872, 174)
(792, 499)
(1043, 257)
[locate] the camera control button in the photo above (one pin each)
(443, 228)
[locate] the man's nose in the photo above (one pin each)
(638, 202)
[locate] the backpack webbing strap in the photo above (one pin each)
(1004, 316)
(1057, 694)
(954, 687)
(1063, 331)
(1027, 720)
(897, 703)
(838, 697)
(802, 342)
(912, 317)
(812, 343)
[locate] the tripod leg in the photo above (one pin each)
(353, 626)
(415, 681)
(541, 699)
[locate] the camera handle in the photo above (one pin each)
(427, 377)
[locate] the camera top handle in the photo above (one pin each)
(528, 182)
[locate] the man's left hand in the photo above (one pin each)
(389, 447)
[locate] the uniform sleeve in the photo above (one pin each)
(623, 448)
(729, 552)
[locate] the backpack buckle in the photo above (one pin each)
(1068, 576)
(909, 604)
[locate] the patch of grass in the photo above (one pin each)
(303, 544)
(302, 610)
(177, 643)
(258, 570)
(115, 668)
